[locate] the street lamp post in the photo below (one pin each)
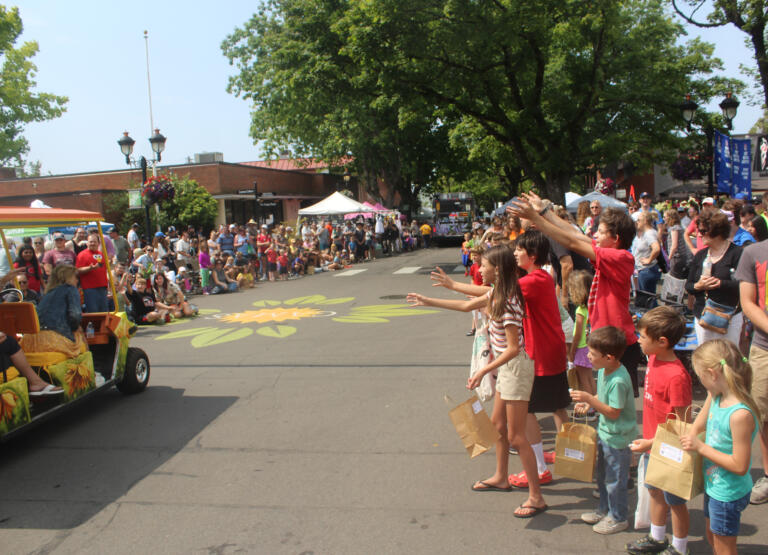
(157, 142)
(729, 107)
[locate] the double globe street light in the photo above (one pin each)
(157, 141)
(729, 107)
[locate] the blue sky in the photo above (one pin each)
(93, 52)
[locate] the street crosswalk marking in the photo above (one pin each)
(408, 270)
(458, 269)
(350, 272)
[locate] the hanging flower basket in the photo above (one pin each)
(158, 189)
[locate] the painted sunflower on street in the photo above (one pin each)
(271, 316)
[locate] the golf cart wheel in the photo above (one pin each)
(136, 375)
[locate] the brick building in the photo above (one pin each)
(285, 188)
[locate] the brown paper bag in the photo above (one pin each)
(473, 426)
(670, 468)
(576, 451)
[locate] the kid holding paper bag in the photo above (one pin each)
(616, 429)
(667, 391)
(504, 304)
(730, 417)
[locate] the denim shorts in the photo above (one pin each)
(669, 499)
(724, 516)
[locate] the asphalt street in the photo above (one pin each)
(305, 416)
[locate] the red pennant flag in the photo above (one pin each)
(632, 192)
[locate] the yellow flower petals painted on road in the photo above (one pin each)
(277, 314)
(297, 308)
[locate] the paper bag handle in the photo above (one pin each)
(685, 415)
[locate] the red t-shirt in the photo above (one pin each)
(543, 332)
(283, 260)
(96, 277)
(667, 387)
(609, 297)
(477, 277)
(32, 281)
(262, 238)
(693, 227)
(271, 255)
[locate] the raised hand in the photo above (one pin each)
(414, 299)
(440, 278)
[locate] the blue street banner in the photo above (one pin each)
(733, 165)
(741, 157)
(723, 163)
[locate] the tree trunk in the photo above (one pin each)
(556, 187)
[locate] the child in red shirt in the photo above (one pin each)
(271, 254)
(476, 255)
(667, 391)
(282, 262)
(608, 302)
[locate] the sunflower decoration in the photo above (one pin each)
(271, 317)
(77, 378)
(8, 402)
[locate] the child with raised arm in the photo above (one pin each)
(731, 419)
(667, 391)
(504, 304)
(609, 295)
(616, 428)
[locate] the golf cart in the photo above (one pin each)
(108, 361)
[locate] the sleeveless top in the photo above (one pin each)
(720, 483)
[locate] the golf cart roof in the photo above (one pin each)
(15, 216)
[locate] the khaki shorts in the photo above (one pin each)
(515, 379)
(758, 359)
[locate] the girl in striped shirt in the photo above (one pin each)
(505, 306)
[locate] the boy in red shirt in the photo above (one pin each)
(476, 255)
(609, 296)
(282, 261)
(667, 390)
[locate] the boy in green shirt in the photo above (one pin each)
(616, 428)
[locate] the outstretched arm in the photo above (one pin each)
(550, 225)
(441, 279)
(414, 299)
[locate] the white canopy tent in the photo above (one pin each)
(604, 200)
(334, 204)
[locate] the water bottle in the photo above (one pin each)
(90, 331)
(706, 267)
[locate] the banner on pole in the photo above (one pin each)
(741, 151)
(722, 163)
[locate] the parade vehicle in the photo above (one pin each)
(109, 360)
(453, 213)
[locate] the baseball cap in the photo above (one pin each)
(171, 228)
(263, 226)
(645, 195)
(58, 235)
(741, 196)
(134, 224)
(708, 200)
(159, 234)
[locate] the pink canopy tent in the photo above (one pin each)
(375, 207)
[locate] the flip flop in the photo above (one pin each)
(489, 487)
(534, 511)
(49, 389)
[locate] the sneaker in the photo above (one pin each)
(593, 517)
(513, 451)
(549, 457)
(759, 491)
(596, 493)
(672, 551)
(610, 526)
(647, 544)
(470, 333)
(520, 480)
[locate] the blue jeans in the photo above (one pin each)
(95, 299)
(647, 280)
(612, 476)
(725, 516)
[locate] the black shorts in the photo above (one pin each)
(631, 359)
(271, 266)
(549, 393)
(283, 269)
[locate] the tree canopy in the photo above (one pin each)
(431, 91)
(19, 103)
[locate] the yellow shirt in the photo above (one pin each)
(426, 229)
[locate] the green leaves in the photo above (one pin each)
(278, 332)
(19, 105)
(375, 314)
(209, 336)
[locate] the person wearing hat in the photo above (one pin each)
(709, 201)
(133, 237)
(59, 254)
(122, 248)
(645, 207)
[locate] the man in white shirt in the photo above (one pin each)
(133, 237)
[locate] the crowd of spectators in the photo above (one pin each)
(154, 280)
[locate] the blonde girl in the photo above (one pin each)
(730, 418)
(504, 304)
(579, 283)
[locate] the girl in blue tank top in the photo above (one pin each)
(730, 419)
